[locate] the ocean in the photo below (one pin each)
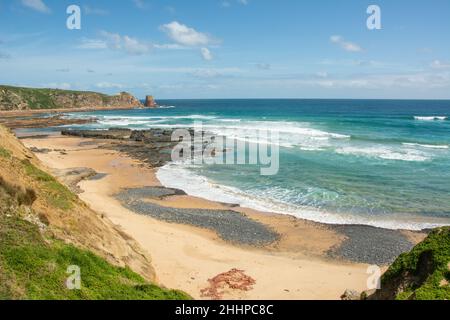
(384, 163)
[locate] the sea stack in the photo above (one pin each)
(150, 102)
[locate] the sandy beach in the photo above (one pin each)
(299, 265)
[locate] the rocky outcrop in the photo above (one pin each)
(33, 122)
(22, 99)
(150, 102)
(350, 295)
(153, 146)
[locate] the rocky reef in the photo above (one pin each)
(153, 146)
(42, 122)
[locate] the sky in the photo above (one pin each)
(230, 48)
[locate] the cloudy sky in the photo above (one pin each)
(230, 48)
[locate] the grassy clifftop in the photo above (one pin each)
(18, 98)
(45, 228)
(36, 267)
(422, 274)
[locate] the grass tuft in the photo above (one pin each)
(56, 193)
(4, 153)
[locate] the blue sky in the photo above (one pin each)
(230, 48)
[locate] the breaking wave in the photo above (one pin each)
(431, 118)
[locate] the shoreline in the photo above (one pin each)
(191, 182)
(29, 113)
(201, 252)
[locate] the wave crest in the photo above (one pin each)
(431, 118)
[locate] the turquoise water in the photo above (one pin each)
(384, 163)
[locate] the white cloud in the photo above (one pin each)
(4, 55)
(438, 64)
(116, 41)
(263, 66)
(322, 74)
(346, 45)
(185, 35)
(128, 44)
(92, 44)
(206, 54)
(37, 5)
(370, 81)
(227, 3)
(109, 85)
(191, 70)
(56, 85)
(206, 73)
(169, 46)
(141, 4)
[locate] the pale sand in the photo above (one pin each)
(185, 257)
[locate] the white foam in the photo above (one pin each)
(180, 177)
(192, 117)
(386, 153)
(431, 118)
(122, 122)
(230, 120)
(290, 134)
(428, 146)
(166, 107)
(301, 129)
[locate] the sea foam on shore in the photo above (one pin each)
(178, 176)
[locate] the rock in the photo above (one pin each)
(366, 294)
(351, 295)
(150, 102)
(113, 133)
(33, 122)
(37, 150)
(153, 146)
(71, 177)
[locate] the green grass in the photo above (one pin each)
(436, 247)
(4, 153)
(56, 194)
(31, 268)
(45, 98)
(34, 266)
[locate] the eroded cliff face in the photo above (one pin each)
(16, 99)
(60, 214)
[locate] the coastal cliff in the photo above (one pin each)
(45, 229)
(26, 99)
(422, 274)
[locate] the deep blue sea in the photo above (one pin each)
(379, 162)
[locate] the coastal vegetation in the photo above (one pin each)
(20, 98)
(35, 267)
(45, 229)
(421, 274)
